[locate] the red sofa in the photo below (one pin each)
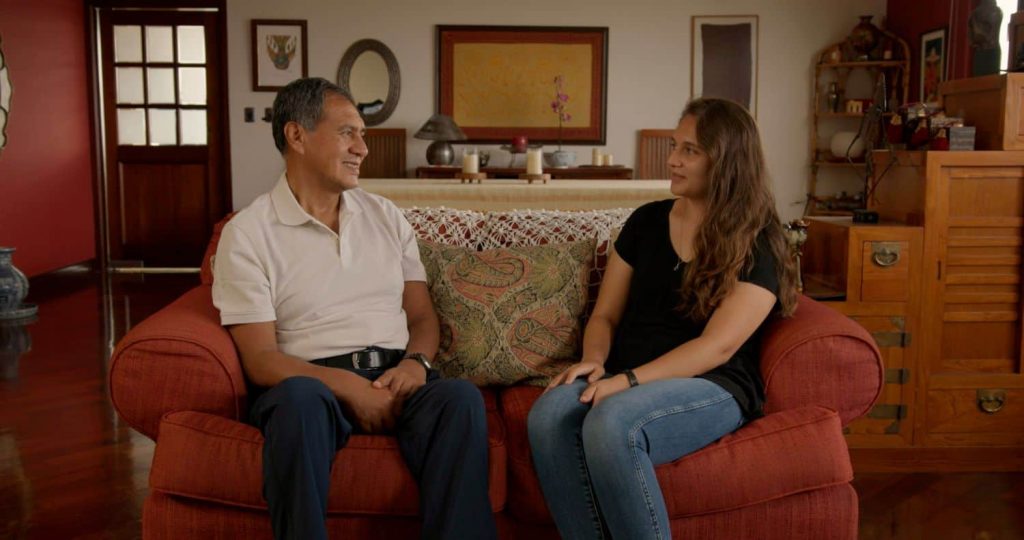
(177, 379)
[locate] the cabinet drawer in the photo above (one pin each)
(885, 271)
(959, 411)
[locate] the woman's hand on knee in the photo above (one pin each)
(591, 370)
(596, 392)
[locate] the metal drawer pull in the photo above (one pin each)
(991, 401)
(885, 253)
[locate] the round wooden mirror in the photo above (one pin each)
(369, 72)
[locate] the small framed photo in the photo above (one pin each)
(933, 64)
(279, 53)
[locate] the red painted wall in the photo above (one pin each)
(909, 19)
(46, 169)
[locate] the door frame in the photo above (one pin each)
(96, 96)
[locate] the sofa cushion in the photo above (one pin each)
(212, 458)
(539, 227)
(508, 315)
(774, 456)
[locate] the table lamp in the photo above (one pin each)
(440, 129)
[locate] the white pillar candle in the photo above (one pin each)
(470, 163)
(608, 160)
(533, 161)
(596, 157)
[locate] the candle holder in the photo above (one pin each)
(471, 177)
(543, 177)
(796, 235)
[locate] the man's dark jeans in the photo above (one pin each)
(442, 435)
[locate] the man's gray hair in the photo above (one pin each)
(302, 101)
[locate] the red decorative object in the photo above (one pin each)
(519, 144)
(920, 135)
(940, 142)
(894, 130)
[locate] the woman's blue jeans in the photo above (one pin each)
(596, 465)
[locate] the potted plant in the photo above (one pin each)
(560, 158)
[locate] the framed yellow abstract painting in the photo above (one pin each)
(498, 82)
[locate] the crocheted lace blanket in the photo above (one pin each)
(487, 230)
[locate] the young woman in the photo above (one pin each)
(670, 355)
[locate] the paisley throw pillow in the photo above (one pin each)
(508, 315)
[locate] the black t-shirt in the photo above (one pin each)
(652, 325)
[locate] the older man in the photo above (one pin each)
(322, 289)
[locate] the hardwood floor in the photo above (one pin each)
(69, 468)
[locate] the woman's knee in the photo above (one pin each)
(605, 427)
(555, 408)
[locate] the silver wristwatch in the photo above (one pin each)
(419, 357)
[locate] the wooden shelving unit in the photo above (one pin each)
(897, 75)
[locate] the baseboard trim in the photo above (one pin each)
(988, 459)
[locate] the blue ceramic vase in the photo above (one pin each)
(13, 284)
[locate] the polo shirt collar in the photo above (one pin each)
(290, 212)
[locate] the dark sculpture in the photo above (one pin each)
(983, 25)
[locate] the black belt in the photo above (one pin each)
(370, 358)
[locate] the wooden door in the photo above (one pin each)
(973, 305)
(164, 114)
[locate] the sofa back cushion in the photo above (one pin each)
(508, 315)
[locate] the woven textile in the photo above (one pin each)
(537, 227)
(508, 315)
(446, 226)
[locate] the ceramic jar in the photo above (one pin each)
(863, 38)
(840, 143)
(560, 159)
(13, 284)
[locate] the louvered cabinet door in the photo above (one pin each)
(972, 304)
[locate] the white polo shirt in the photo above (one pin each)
(328, 293)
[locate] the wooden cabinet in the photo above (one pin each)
(965, 386)
(954, 392)
(868, 272)
(971, 205)
(993, 105)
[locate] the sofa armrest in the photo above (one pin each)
(179, 359)
(820, 357)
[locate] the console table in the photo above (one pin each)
(517, 194)
(611, 172)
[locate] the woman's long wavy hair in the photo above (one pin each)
(740, 207)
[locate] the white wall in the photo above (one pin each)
(648, 68)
